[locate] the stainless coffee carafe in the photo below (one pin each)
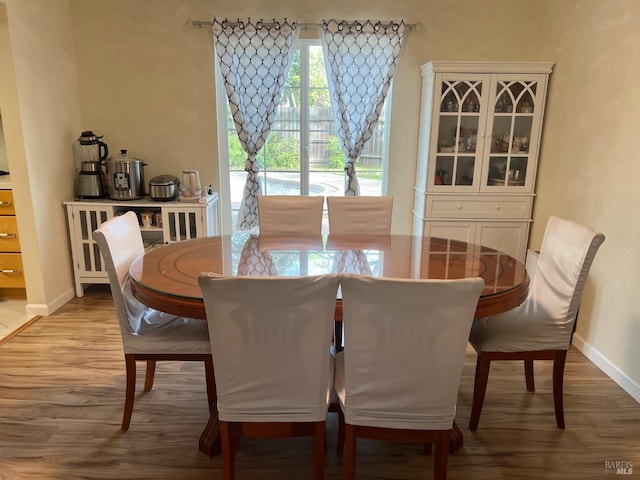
(90, 183)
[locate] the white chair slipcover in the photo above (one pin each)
(531, 262)
(360, 215)
(290, 214)
(363, 217)
(541, 327)
(270, 339)
(405, 343)
(544, 321)
(146, 332)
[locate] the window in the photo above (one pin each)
(302, 155)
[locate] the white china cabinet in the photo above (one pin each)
(480, 131)
(168, 222)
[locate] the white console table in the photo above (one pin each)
(173, 221)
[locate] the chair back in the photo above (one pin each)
(270, 340)
(531, 262)
(360, 215)
(567, 252)
(405, 343)
(290, 214)
(120, 242)
(143, 329)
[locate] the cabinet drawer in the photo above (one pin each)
(11, 273)
(9, 241)
(466, 207)
(6, 203)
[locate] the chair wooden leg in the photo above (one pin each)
(228, 453)
(441, 456)
(479, 389)
(340, 442)
(211, 384)
(558, 381)
(528, 375)
(350, 457)
(319, 437)
(150, 375)
(130, 390)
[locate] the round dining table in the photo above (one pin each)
(166, 278)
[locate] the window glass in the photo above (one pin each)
(302, 155)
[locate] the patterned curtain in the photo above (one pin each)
(253, 262)
(254, 61)
(360, 59)
(351, 261)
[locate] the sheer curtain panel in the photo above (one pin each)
(360, 60)
(254, 62)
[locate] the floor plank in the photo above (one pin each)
(62, 396)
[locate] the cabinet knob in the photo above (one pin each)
(459, 207)
(5, 203)
(497, 207)
(7, 235)
(10, 271)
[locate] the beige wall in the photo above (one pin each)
(41, 113)
(146, 83)
(589, 167)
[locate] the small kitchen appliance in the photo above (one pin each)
(125, 177)
(90, 148)
(164, 188)
(90, 183)
(190, 188)
(90, 154)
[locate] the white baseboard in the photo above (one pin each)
(603, 363)
(46, 309)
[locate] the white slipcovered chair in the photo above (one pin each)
(270, 339)
(398, 376)
(290, 214)
(362, 215)
(147, 334)
(541, 327)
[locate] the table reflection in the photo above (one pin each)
(172, 270)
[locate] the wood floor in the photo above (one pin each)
(62, 395)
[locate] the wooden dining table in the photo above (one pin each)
(166, 278)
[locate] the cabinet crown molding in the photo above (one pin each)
(486, 67)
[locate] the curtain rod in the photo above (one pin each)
(204, 23)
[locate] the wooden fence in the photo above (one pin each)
(321, 128)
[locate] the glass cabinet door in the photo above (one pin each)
(513, 120)
(462, 109)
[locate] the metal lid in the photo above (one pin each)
(124, 157)
(164, 180)
(89, 138)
